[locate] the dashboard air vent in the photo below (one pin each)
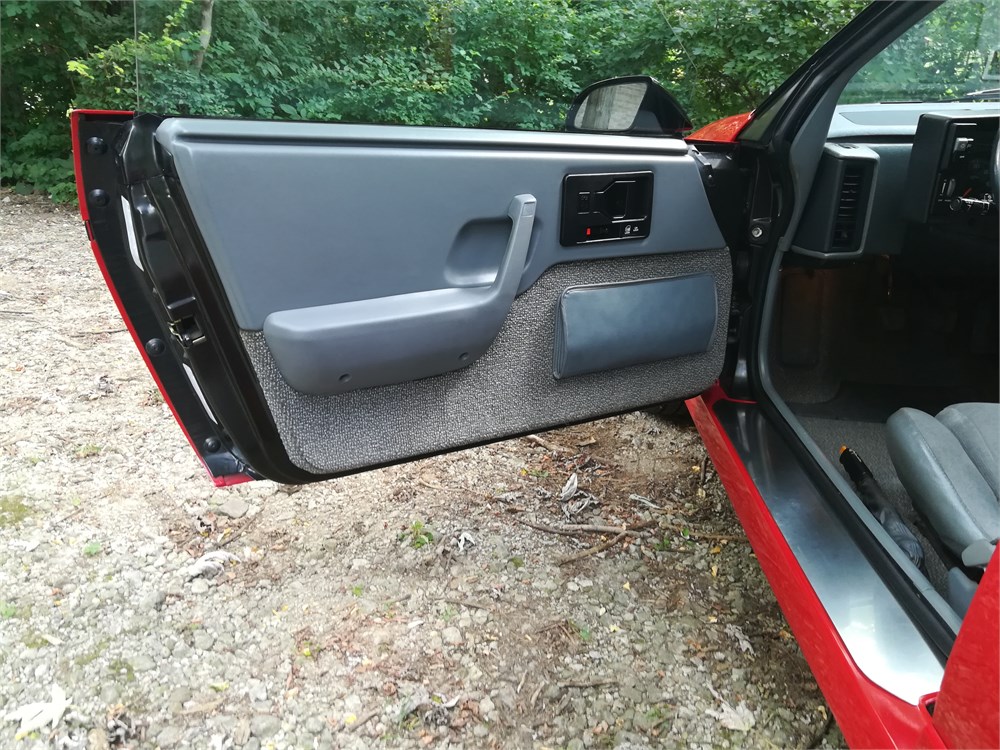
(845, 225)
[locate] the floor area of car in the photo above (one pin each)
(868, 439)
(851, 344)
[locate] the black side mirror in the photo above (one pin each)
(630, 105)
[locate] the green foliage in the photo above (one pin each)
(90, 549)
(13, 510)
(739, 52)
(418, 535)
(943, 57)
(37, 41)
(470, 63)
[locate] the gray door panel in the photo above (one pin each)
(300, 215)
(392, 306)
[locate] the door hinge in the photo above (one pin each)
(183, 324)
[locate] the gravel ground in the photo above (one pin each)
(408, 607)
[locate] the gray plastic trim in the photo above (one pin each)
(351, 345)
(824, 196)
(298, 215)
(895, 119)
(607, 326)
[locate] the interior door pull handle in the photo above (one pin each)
(522, 215)
(336, 348)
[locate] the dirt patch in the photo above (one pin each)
(431, 604)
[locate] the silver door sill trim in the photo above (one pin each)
(882, 640)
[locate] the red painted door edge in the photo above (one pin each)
(967, 710)
(867, 715)
(725, 130)
(75, 115)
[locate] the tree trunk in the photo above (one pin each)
(205, 35)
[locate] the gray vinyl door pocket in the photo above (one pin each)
(610, 326)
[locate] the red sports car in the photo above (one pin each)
(818, 279)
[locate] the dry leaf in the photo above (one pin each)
(739, 717)
(569, 489)
(34, 716)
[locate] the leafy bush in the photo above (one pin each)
(477, 63)
(37, 41)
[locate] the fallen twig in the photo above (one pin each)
(397, 600)
(202, 708)
(465, 603)
(521, 683)
(597, 548)
(572, 529)
(534, 695)
(702, 534)
(365, 718)
(548, 444)
(589, 683)
(556, 448)
(645, 501)
(68, 516)
(600, 529)
(431, 485)
(240, 531)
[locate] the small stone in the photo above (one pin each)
(234, 507)
(359, 563)
(241, 733)
(178, 697)
(265, 725)
(314, 725)
(154, 599)
(451, 635)
(97, 739)
(480, 730)
(256, 691)
(203, 640)
(199, 586)
(486, 706)
(169, 736)
(142, 663)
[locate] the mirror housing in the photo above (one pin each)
(628, 105)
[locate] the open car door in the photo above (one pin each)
(318, 299)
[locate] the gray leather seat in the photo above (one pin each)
(950, 466)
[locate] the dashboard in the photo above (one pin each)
(890, 173)
(952, 165)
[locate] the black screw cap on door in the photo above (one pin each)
(96, 146)
(98, 198)
(605, 207)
